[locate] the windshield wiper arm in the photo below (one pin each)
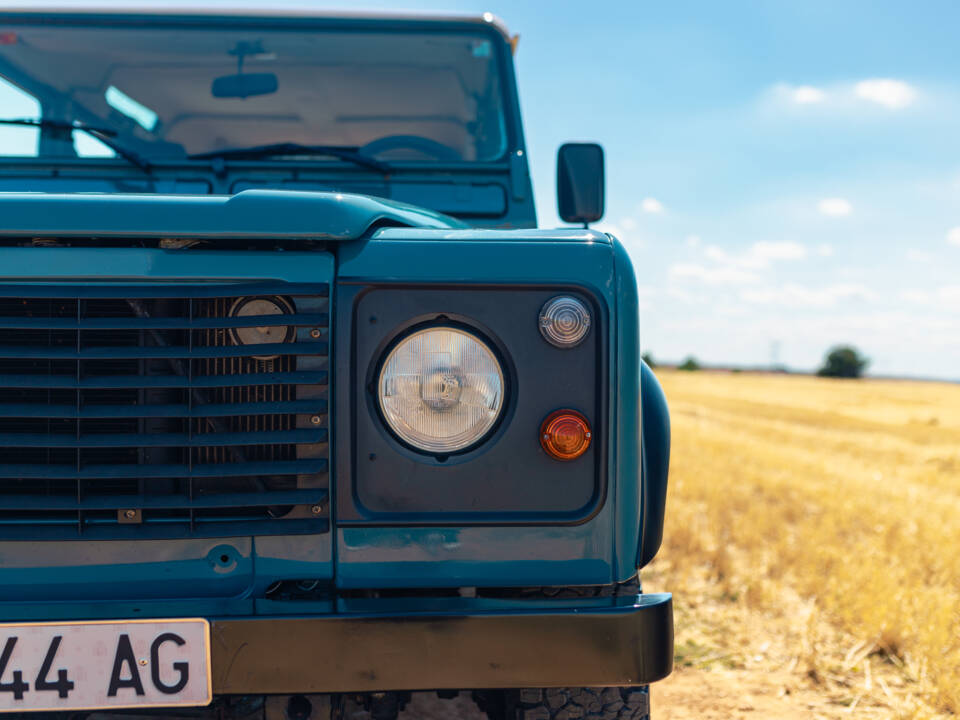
(349, 154)
(102, 134)
(58, 125)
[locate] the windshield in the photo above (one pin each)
(169, 93)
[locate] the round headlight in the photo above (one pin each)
(252, 307)
(564, 321)
(441, 389)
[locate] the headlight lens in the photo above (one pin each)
(441, 389)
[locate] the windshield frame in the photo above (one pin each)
(177, 18)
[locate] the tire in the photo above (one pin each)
(626, 703)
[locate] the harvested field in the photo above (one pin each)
(813, 547)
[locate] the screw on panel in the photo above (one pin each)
(315, 333)
(316, 420)
(129, 515)
(317, 509)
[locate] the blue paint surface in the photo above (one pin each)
(249, 214)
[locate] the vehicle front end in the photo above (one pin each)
(337, 426)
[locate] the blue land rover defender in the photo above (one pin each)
(301, 415)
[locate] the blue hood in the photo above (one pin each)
(251, 214)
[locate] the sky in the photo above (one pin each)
(785, 175)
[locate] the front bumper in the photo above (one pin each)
(624, 645)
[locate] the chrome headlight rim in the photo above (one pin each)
(424, 324)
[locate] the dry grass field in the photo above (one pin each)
(813, 547)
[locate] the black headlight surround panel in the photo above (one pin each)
(507, 478)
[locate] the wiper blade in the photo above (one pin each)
(349, 154)
(102, 134)
(59, 125)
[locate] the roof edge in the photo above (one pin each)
(215, 9)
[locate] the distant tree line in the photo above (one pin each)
(841, 361)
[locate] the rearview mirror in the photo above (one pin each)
(580, 182)
(244, 85)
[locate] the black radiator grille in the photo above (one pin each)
(138, 411)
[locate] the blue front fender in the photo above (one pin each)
(655, 460)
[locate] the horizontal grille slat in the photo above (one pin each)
(98, 412)
(161, 502)
(152, 352)
(153, 410)
(153, 291)
(29, 323)
(32, 440)
(107, 382)
(100, 472)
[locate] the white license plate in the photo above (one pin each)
(109, 664)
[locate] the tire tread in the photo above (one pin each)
(586, 703)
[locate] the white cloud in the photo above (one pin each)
(785, 250)
(682, 295)
(651, 205)
(726, 309)
(892, 94)
(835, 207)
(949, 295)
(721, 275)
(946, 297)
(919, 256)
(759, 256)
(717, 254)
(798, 94)
(797, 296)
(692, 241)
(953, 236)
(916, 297)
(807, 95)
(644, 294)
(825, 250)
(739, 269)
(849, 97)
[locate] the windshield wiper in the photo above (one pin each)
(349, 154)
(102, 134)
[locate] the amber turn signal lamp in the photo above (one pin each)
(565, 435)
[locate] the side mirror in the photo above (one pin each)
(580, 182)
